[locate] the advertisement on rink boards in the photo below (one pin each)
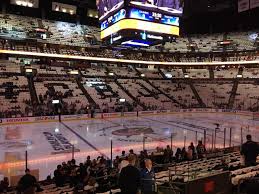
(108, 115)
(74, 117)
(17, 120)
(46, 118)
(24, 120)
(130, 114)
(28, 119)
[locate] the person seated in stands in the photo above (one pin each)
(81, 172)
(168, 153)
(159, 151)
(4, 185)
(146, 154)
(73, 173)
(131, 153)
(28, 183)
(201, 150)
(193, 150)
(189, 153)
(91, 186)
(59, 176)
(143, 155)
(116, 162)
(102, 173)
(123, 163)
(88, 161)
(183, 154)
(249, 150)
(178, 155)
(64, 169)
(91, 170)
(48, 181)
(123, 154)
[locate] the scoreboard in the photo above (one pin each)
(139, 23)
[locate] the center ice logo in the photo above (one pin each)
(128, 132)
(135, 133)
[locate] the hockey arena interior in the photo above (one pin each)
(130, 97)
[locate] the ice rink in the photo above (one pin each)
(49, 144)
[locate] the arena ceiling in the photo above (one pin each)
(201, 16)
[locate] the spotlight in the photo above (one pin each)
(57, 130)
(122, 100)
(24, 3)
(74, 72)
(168, 75)
(19, 2)
(30, 4)
(57, 8)
(28, 70)
(55, 101)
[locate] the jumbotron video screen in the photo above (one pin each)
(139, 23)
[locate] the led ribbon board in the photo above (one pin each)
(127, 24)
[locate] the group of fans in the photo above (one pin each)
(132, 173)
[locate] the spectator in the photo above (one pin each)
(142, 158)
(250, 151)
(81, 172)
(4, 185)
(116, 162)
(201, 150)
(27, 183)
(129, 179)
(73, 173)
(131, 153)
(59, 176)
(91, 186)
(48, 181)
(189, 153)
(65, 168)
(168, 153)
(88, 161)
(183, 154)
(178, 155)
(123, 154)
(193, 150)
(145, 154)
(123, 164)
(148, 178)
